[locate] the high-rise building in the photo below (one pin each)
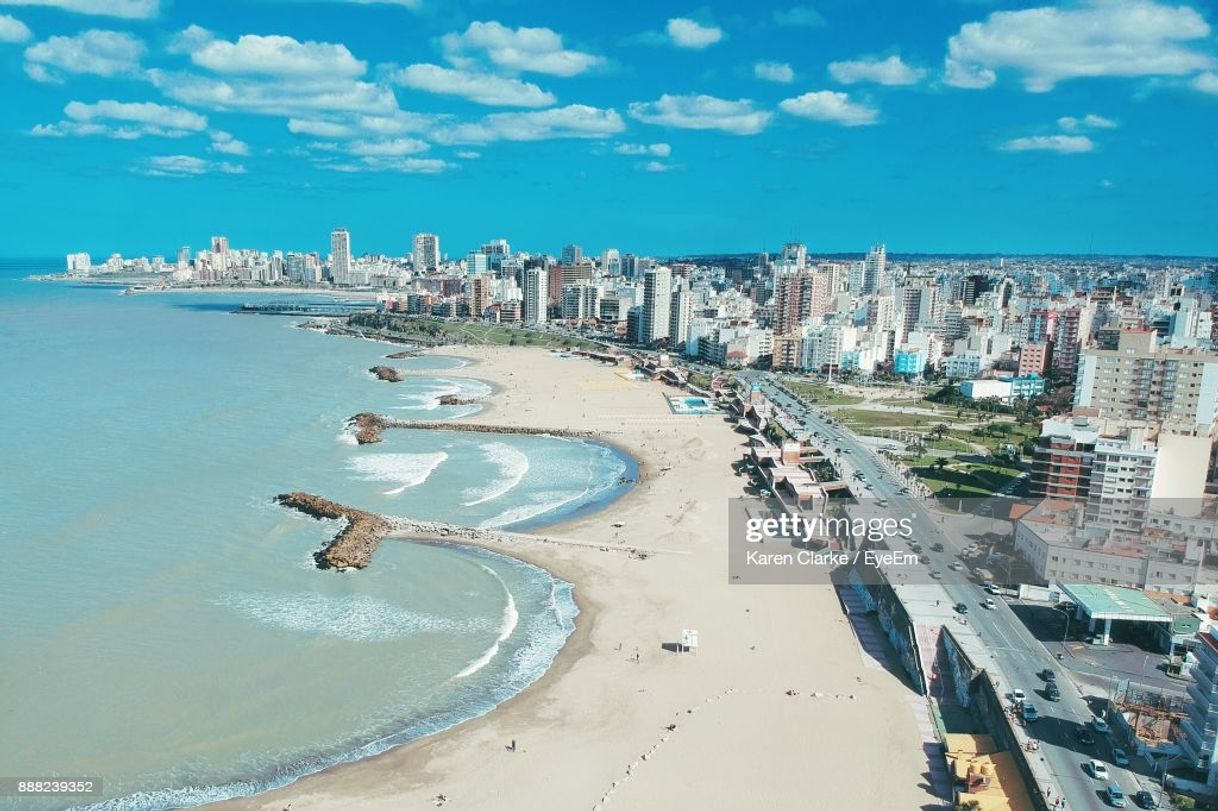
(477, 263)
(792, 300)
(340, 256)
(572, 254)
(1142, 381)
(875, 267)
(219, 257)
(680, 311)
(536, 297)
(426, 253)
(1073, 328)
(657, 305)
(581, 300)
(630, 266)
(611, 262)
(479, 294)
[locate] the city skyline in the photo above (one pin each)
(953, 128)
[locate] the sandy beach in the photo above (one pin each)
(711, 730)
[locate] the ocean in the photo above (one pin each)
(162, 625)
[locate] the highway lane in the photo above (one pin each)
(1019, 655)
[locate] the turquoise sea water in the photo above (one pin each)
(162, 626)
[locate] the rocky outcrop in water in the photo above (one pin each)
(452, 399)
(352, 548)
(388, 374)
(408, 353)
(368, 428)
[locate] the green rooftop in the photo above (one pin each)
(1115, 602)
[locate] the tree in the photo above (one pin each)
(940, 430)
(941, 463)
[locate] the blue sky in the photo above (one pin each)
(655, 127)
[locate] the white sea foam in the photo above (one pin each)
(404, 469)
(347, 437)
(513, 465)
(424, 393)
(356, 617)
(506, 626)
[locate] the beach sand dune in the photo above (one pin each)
(711, 730)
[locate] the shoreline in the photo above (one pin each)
(592, 724)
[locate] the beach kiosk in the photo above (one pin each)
(689, 641)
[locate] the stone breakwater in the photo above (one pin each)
(388, 374)
(353, 547)
(368, 428)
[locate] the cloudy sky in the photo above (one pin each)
(654, 127)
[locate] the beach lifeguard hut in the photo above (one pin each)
(689, 641)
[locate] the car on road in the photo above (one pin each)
(1084, 736)
(961, 608)
(989, 587)
(1119, 757)
(1048, 675)
(936, 547)
(1030, 714)
(955, 566)
(936, 574)
(1052, 692)
(1114, 795)
(1144, 799)
(1018, 695)
(989, 603)
(1097, 768)
(1100, 725)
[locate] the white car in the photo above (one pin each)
(1098, 770)
(1018, 695)
(1100, 725)
(989, 603)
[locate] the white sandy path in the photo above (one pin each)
(596, 712)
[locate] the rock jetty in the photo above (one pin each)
(368, 428)
(388, 374)
(352, 548)
(406, 353)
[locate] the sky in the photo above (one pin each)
(660, 128)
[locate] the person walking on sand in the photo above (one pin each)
(513, 744)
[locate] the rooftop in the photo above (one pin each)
(1115, 602)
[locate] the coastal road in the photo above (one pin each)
(1019, 655)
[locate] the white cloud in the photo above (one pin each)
(295, 97)
(13, 30)
(396, 147)
(187, 166)
(413, 166)
(468, 154)
(1206, 83)
(532, 50)
(1062, 144)
(124, 121)
(130, 9)
(660, 150)
(175, 118)
(1089, 121)
(700, 112)
(655, 166)
(321, 129)
(1096, 38)
(890, 71)
(572, 121)
(273, 55)
(799, 17)
(102, 53)
(779, 72)
(481, 88)
(224, 143)
(687, 33)
(827, 105)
